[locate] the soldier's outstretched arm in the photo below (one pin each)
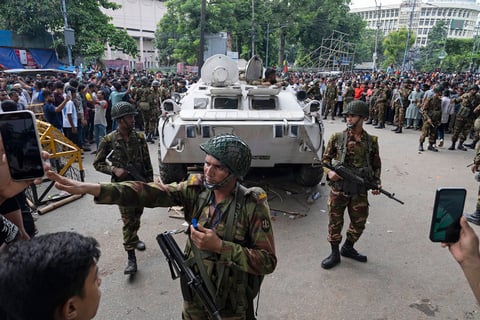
(74, 186)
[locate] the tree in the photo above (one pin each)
(394, 46)
(93, 28)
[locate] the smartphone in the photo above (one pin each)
(447, 211)
(22, 145)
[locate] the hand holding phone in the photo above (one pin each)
(22, 145)
(447, 211)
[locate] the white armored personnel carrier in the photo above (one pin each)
(279, 125)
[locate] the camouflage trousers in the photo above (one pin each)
(461, 128)
(428, 131)
(131, 224)
(380, 109)
(330, 107)
(194, 310)
(149, 121)
(357, 208)
(399, 116)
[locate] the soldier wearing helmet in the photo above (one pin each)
(233, 243)
(123, 154)
(358, 151)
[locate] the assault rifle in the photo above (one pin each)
(351, 176)
(132, 169)
(176, 262)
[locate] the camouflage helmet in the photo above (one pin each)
(155, 83)
(231, 151)
(122, 109)
(356, 107)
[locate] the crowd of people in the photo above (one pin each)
(232, 247)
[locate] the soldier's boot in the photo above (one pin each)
(452, 147)
(461, 147)
(333, 118)
(333, 259)
(131, 263)
(399, 130)
(374, 122)
(420, 147)
(369, 121)
(432, 148)
(471, 145)
(380, 125)
(474, 217)
(349, 251)
(395, 129)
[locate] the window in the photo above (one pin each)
(263, 103)
(225, 103)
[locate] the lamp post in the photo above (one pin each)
(408, 35)
(474, 47)
(68, 32)
(253, 28)
(375, 52)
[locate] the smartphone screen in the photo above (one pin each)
(447, 211)
(22, 145)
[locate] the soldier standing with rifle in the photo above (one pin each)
(432, 115)
(358, 151)
(123, 154)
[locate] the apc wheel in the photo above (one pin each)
(308, 176)
(172, 172)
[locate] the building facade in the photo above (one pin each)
(461, 17)
(139, 18)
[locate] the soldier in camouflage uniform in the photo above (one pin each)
(432, 115)
(348, 95)
(143, 102)
(465, 118)
(475, 216)
(330, 98)
(218, 201)
(381, 105)
(358, 151)
(372, 112)
(123, 154)
(313, 92)
(155, 98)
(400, 103)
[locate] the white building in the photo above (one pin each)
(139, 18)
(461, 17)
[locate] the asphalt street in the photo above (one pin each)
(406, 276)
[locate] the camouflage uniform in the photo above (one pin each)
(464, 118)
(143, 102)
(348, 96)
(155, 98)
(132, 154)
(313, 92)
(252, 252)
(363, 157)
(379, 106)
(400, 104)
(330, 96)
(432, 109)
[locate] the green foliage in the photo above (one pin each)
(291, 27)
(93, 29)
(394, 46)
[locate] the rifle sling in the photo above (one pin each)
(233, 212)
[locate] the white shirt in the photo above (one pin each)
(69, 109)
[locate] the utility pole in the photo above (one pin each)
(201, 45)
(375, 53)
(65, 30)
(474, 47)
(268, 37)
(253, 28)
(408, 34)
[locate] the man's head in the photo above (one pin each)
(271, 75)
(227, 157)
(124, 113)
(355, 112)
(52, 276)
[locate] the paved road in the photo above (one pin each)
(406, 277)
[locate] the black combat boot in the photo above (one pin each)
(131, 263)
(350, 252)
(471, 145)
(374, 122)
(461, 147)
(369, 121)
(333, 259)
(473, 217)
(395, 129)
(380, 125)
(420, 147)
(452, 147)
(432, 148)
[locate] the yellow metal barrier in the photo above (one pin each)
(65, 158)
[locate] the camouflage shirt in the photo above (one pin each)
(131, 154)
(331, 93)
(357, 153)
(252, 250)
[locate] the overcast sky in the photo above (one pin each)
(371, 3)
